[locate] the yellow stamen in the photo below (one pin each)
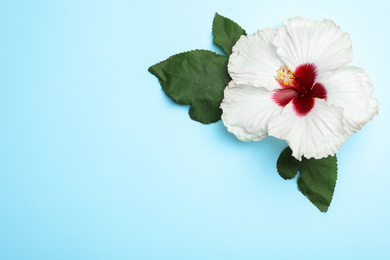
(284, 75)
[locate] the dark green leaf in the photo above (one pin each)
(198, 78)
(317, 179)
(287, 165)
(226, 32)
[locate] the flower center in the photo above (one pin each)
(300, 87)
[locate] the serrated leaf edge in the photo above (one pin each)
(192, 115)
(228, 19)
(331, 199)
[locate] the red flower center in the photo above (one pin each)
(299, 87)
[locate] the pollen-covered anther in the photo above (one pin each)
(284, 76)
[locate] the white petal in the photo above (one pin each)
(247, 111)
(254, 61)
(320, 42)
(316, 135)
(351, 88)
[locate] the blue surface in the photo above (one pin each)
(97, 163)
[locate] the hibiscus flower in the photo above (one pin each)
(294, 83)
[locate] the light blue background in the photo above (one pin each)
(97, 163)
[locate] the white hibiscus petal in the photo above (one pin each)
(320, 42)
(254, 61)
(316, 135)
(351, 88)
(247, 111)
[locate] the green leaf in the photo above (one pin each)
(287, 165)
(317, 179)
(198, 78)
(226, 32)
